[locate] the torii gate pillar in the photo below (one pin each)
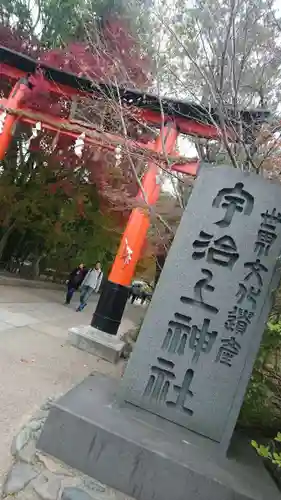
(14, 101)
(114, 296)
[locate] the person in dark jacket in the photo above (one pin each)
(74, 281)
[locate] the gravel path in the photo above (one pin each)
(35, 360)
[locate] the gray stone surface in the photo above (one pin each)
(27, 454)
(27, 494)
(198, 342)
(19, 476)
(75, 494)
(87, 338)
(20, 440)
(47, 486)
(15, 319)
(143, 455)
(35, 425)
(54, 466)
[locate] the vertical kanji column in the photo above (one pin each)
(110, 308)
(13, 102)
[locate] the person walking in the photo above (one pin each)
(74, 281)
(91, 283)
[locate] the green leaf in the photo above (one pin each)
(278, 437)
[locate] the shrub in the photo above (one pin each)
(269, 452)
(262, 404)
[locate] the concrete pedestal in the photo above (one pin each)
(145, 456)
(94, 341)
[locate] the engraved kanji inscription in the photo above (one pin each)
(222, 251)
(248, 292)
(180, 334)
(201, 339)
(200, 287)
(228, 350)
(255, 269)
(176, 337)
(267, 233)
(238, 320)
(159, 381)
(182, 392)
(233, 200)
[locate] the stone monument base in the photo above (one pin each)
(143, 455)
(94, 341)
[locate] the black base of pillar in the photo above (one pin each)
(108, 314)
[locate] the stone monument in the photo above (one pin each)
(166, 432)
(196, 349)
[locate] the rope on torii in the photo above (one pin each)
(95, 137)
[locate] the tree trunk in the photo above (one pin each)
(35, 272)
(5, 237)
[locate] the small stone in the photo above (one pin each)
(93, 484)
(47, 486)
(19, 476)
(75, 494)
(54, 465)
(21, 439)
(28, 452)
(35, 425)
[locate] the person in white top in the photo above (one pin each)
(91, 283)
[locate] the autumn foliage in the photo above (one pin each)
(110, 55)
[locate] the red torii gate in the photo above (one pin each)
(180, 117)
